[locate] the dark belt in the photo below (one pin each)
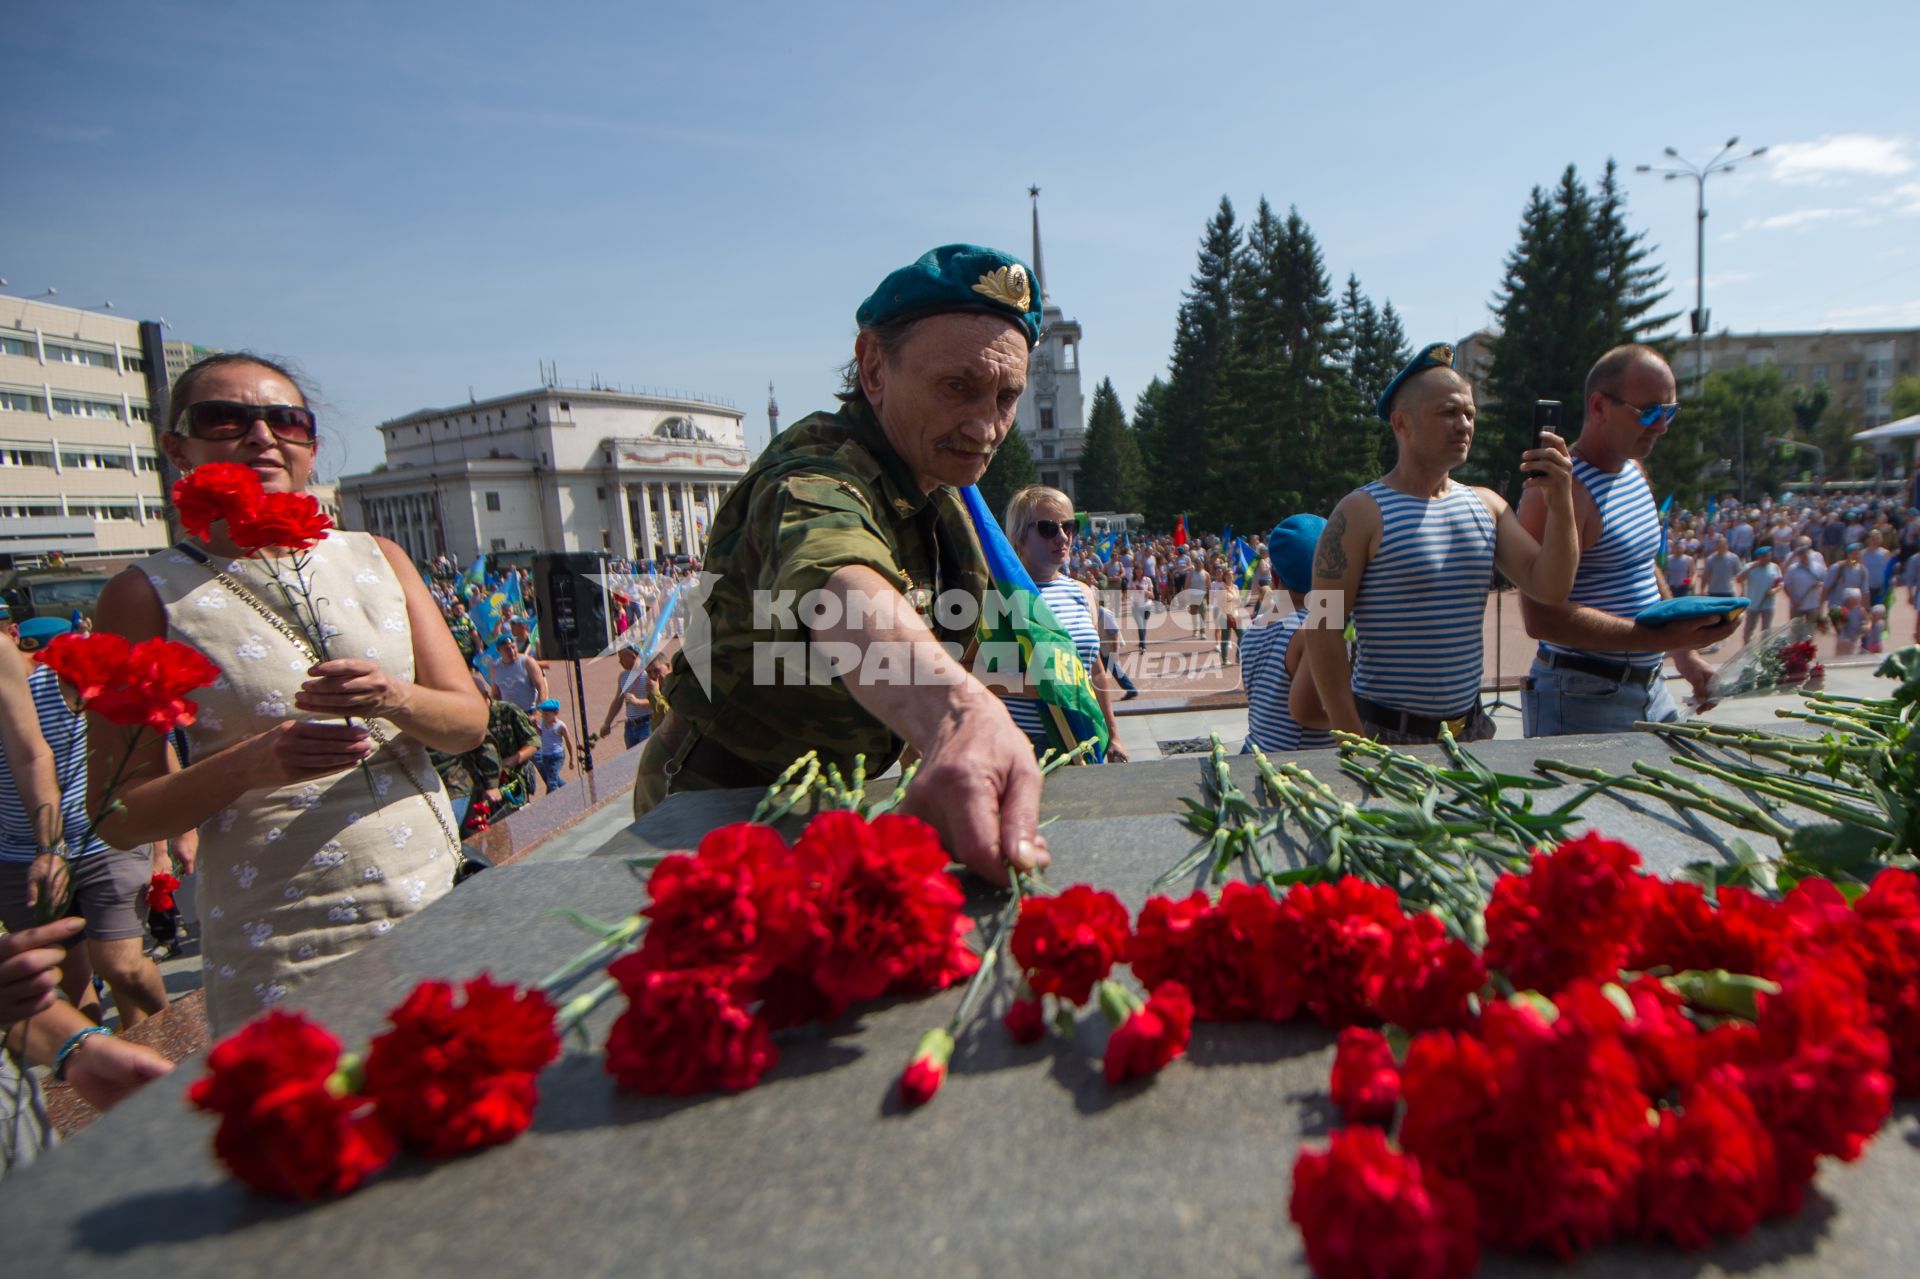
(723, 768)
(1618, 672)
(1407, 722)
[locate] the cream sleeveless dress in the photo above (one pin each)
(296, 877)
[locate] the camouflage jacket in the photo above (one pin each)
(830, 492)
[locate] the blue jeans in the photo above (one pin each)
(637, 730)
(549, 766)
(1559, 702)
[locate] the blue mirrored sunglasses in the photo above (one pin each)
(1652, 415)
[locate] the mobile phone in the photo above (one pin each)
(1546, 417)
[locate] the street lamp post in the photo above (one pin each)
(1684, 168)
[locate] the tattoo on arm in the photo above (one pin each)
(1331, 559)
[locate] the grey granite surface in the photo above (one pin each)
(1026, 1164)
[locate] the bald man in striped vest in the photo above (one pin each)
(1412, 555)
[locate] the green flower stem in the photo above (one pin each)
(613, 940)
(571, 1014)
(801, 775)
(1805, 797)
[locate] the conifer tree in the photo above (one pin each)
(1108, 478)
(1010, 471)
(1182, 447)
(1576, 284)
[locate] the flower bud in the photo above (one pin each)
(928, 1069)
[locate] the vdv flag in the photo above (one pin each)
(513, 597)
(1244, 559)
(1069, 707)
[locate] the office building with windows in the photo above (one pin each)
(80, 467)
(630, 474)
(1859, 366)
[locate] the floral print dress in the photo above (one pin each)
(296, 877)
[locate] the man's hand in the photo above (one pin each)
(1116, 753)
(979, 786)
(47, 879)
(185, 850)
(105, 1070)
(30, 968)
(1684, 637)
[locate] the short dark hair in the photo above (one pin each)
(183, 386)
(1604, 377)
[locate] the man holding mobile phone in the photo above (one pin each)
(1598, 670)
(1410, 557)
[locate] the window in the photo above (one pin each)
(493, 504)
(61, 353)
(1050, 478)
(132, 363)
(1046, 452)
(497, 544)
(19, 346)
(600, 491)
(1046, 418)
(1819, 372)
(28, 508)
(150, 463)
(1786, 372)
(565, 407)
(25, 454)
(22, 402)
(73, 406)
(94, 461)
(1852, 371)
(1068, 360)
(1873, 396)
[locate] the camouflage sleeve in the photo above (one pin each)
(519, 730)
(815, 524)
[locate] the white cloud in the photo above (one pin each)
(1730, 277)
(1840, 155)
(1798, 218)
(1904, 198)
(1883, 313)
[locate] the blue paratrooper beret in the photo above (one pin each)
(1435, 355)
(957, 277)
(1290, 546)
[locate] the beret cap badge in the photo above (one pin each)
(1007, 285)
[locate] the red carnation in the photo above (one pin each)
(90, 664)
(160, 891)
(1576, 914)
(152, 689)
(1231, 955)
(452, 1079)
(1421, 979)
(684, 1032)
(212, 492)
(1153, 1036)
(890, 907)
(1709, 1168)
(1337, 930)
(1365, 1211)
(1889, 914)
(1025, 1020)
(1541, 1120)
(288, 1126)
(737, 904)
(1366, 1080)
(280, 521)
(928, 1070)
(1069, 942)
(1680, 929)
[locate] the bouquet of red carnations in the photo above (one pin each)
(748, 935)
(1671, 1067)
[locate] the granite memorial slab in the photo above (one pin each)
(1026, 1163)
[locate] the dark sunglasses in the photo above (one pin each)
(1051, 529)
(1652, 415)
(230, 419)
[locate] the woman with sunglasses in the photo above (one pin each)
(1040, 525)
(321, 821)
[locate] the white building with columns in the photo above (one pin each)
(631, 475)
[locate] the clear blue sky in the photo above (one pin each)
(414, 199)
